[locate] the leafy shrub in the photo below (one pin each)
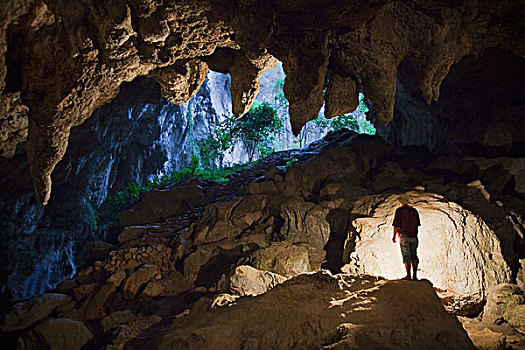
(122, 200)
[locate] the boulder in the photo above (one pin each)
(60, 334)
(314, 311)
(116, 278)
(169, 286)
(153, 206)
(215, 224)
(115, 319)
(389, 176)
(131, 233)
(131, 330)
(84, 290)
(265, 187)
(95, 305)
(24, 314)
(224, 220)
(505, 303)
(274, 173)
(304, 222)
(282, 258)
(514, 167)
(245, 280)
(96, 250)
(139, 278)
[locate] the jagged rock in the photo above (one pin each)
(509, 168)
(520, 278)
(390, 176)
(58, 334)
(96, 250)
(95, 305)
(13, 123)
(304, 222)
(139, 278)
(274, 174)
(82, 291)
(67, 286)
(131, 330)
(453, 245)
(117, 278)
(323, 311)
(179, 88)
(348, 162)
(171, 285)
(335, 190)
(486, 339)
(226, 220)
(131, 233)
(245, 280)
(201, 266)
(24, 314)
(282, 258)
(363, 47)
(505, 303)
(266, 187)
(131, 258)
(152, 207)
(115, 319)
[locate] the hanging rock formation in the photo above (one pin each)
(74, 59)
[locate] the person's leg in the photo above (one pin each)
(414, 269)
(405, 252)
(414, 258)
(407, 267)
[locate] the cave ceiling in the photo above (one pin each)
(61, 59)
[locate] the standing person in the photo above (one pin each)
(406, 222)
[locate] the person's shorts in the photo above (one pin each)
(409, 249)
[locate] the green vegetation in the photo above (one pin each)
(256, 129)
(218, 142)
(122, 200)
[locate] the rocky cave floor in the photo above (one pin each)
(251, 264)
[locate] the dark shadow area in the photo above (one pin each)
(340, 223)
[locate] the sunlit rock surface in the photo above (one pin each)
(325, 312)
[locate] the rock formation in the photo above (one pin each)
(136, 136)
(189, 279)
(74, 59)
(444, 74)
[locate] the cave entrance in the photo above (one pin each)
(459, 253)
(271, 93)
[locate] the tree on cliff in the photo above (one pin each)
(256, 127)
(218, 142)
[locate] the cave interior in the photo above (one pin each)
(84, 86)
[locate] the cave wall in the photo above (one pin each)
(136, 136)
(481, 102)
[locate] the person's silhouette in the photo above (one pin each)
(406, 222)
